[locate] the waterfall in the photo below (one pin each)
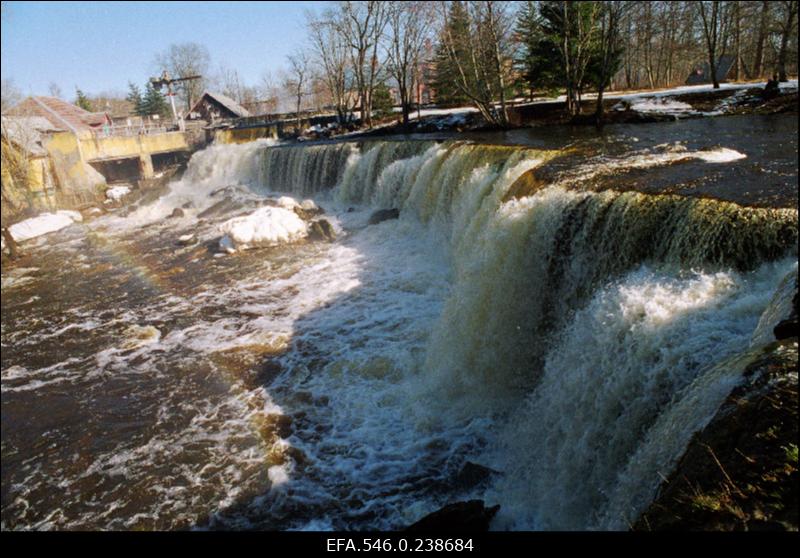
(596, 330)
(605, 327)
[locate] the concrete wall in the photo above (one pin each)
(120, 147)
(244, 135)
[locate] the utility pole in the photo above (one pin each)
(165, 80)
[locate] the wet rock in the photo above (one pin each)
(461, 516)
(307, 210)
(739, 473)
(383, 215)
(219, 208)
(471, 475)
(187, 239)
(227, 245)
(321, 230)
(280, 425)
(177, 212)
(90, 212)
(788, 327)
(351, 209)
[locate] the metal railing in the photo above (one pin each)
(130, 131)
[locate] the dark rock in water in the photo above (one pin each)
(786, 328)
(461, 516)
(384, 215)
(177, 212)
(472, 474)
(321, 230)
(224, 206)
(351, 209)
(739, 473)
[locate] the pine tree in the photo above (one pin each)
(445, 72)
(381, 100)
(154, 102)
(539, 60)
(562, 47)
(135, 98)
(81, 100)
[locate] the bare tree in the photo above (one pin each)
(787, 24)
(576, 23)
(611, 14)
(184, 60)
(10, 95)
(226, 80)
(331, 56)
(362, 24)
(483, 58)
(710, 16)
(54, 90)
(758, 63)
(297, 79)
(409, 24)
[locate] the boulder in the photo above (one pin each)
(227, 245)
(321, 229)
(187, 239)
(462, 516)
(177, 212)
(383, 215)
(788, 328)
(472, 475)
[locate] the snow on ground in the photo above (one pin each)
(670, 92)
(117, 192)
(267, 226)
(43, 224)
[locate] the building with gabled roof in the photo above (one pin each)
(213, 107)
(61, 114)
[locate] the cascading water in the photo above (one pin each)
(572, 340)
(611, 324)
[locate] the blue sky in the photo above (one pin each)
(100, 46)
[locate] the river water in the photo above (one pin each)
(569, 332)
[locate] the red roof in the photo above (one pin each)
(60, 113)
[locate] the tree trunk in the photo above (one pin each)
(758, 63)
(787, 31)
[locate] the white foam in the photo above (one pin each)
(719, 155)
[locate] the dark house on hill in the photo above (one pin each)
(702, 74)
(214, 107)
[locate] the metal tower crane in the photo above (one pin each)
(166, 80)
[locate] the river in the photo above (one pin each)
(569, 332)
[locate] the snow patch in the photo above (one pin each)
(117, 192)
(267, 226)
(43, 224)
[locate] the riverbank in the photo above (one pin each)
(619, 108)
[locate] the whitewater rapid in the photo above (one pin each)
(570, 340)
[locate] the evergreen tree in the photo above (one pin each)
(539, 60)
(81, 100)
(381, 100)
(445, 73)
(562, 48)
(154, 103)
(135, 98)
